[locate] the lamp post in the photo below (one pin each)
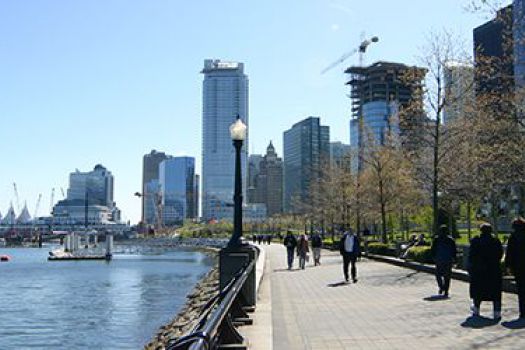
(238, 135)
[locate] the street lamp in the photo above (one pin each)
(238, 135)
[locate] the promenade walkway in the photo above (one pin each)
(389, 308)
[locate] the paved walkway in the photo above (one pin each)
(389, 308)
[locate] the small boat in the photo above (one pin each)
(5, 258)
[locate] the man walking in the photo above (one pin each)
(444, 255)
(317, 243)
(350, 250)
(290, 242)
(515, 260)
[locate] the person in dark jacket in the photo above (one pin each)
(302, 250)
(317, 243)
(515, 260)
(485, 270)
(444, 254)
(290, 242)
(350, 249)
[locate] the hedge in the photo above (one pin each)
(381, 249)
(421, 254)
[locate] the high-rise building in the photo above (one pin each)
(89, 199)
(267, 186)
(306, 151)
(177, 185)
(150, 184)
(494, 54)
(378, 92)
(458, 79)
(225, 96)
(339, 153)
(518, 31)
(254, 168)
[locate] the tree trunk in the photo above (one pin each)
(384, 236)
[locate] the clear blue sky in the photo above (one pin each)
(105, 81)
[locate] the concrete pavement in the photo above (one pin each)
(389, 308)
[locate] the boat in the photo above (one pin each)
(5, 258)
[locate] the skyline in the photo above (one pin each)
(133, 67)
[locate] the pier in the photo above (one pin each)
(80, 246)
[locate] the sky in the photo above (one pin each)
(91, 82)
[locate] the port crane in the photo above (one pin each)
(361, 49)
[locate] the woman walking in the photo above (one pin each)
(485, 270)
(302, 250)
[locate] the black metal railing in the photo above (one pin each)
(220, 315)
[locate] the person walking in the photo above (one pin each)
(350, 249)
(485, 270)
(290, 242)
(515, 260)
(317, 243)
(444, 254)
(302, 250)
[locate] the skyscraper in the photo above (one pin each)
(254, 168)
(177, 184)
(150, 184)
(494, 54)
(338, 152)
(306, 150)
(225, 96)
(458, 80)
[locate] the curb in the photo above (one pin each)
(508, 284)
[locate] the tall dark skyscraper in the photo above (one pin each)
(306, 150)
(494, 54)
(150, 183)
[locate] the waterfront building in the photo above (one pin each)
(152, 202)
(254, 212)
(10, 216)
(24, 217)
(306, 151)
(150, 174)
(177, 185)
(225, 97)
(89, 198)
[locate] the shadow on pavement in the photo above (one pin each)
(436, 298)
(479, 322)
(338, 284)
(514, 324)
(286, 270)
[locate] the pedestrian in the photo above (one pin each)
(485, 270)
(254, 239)
(350, 250)
(302, 250)
(269, 239)
(515, 260)
(317, 243)
(290, 242)
(444, 254)
(259, 239)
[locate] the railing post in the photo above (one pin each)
(233, 259)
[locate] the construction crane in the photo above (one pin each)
(17, 198)
(361, 50)
(52, 200)
(62, 191)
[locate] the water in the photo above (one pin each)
(92, 304)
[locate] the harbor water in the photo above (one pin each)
(92, 304)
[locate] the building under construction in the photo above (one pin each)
(378, 93)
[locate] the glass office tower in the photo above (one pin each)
(225, 96)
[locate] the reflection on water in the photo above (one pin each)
(92, 304)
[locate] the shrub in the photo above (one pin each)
(381, 249)
(421, 254)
